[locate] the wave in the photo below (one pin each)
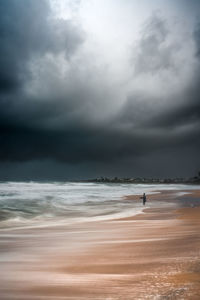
(25, 202)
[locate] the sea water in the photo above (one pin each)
(43, 204)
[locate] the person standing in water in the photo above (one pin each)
(144, 198)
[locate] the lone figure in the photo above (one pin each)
(144, 198)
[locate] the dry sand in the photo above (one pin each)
(155, 255)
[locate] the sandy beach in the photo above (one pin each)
(153, 255)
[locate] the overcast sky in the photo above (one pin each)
(99, 88)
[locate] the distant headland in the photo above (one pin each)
(190, 180)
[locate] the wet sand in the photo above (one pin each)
(154, 255)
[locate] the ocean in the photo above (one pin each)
(25, 204)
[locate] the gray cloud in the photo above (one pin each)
(197, 39)
(153, 52)
(26, 30)
(60, 103)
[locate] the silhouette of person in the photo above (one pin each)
(144, 198)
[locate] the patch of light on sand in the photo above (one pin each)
(131, 241)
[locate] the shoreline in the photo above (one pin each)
(153, 255)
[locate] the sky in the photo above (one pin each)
(93, 88)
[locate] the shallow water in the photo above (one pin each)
(36, 204)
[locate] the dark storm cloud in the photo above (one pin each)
(182, 110)
(173, 122)
(188, 114)
(57, 103)
(156, 60)
(26, 31)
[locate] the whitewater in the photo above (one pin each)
(50, 203)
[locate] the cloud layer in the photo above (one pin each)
(63, 102)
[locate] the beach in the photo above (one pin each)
(154, 254)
